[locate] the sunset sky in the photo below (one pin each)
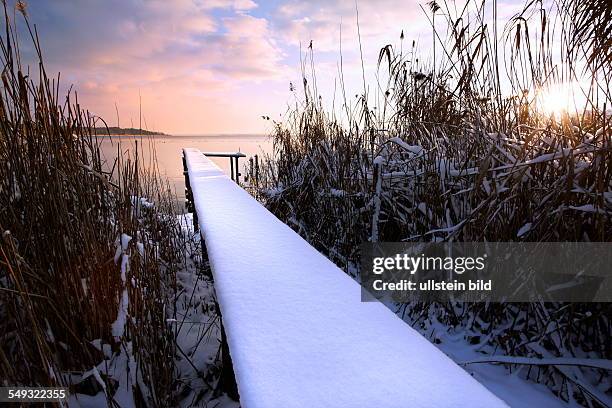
(215, 66)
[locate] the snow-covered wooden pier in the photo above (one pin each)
(298, 333)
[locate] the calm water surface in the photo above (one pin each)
(169, 149)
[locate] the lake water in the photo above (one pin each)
(169, 152)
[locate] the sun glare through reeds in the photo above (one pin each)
(562, 98)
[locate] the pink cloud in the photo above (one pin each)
(222, 60)
(240, 5)
(321, 21)
(186, 62)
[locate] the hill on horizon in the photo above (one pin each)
(116, 131)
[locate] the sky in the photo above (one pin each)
(216, 66)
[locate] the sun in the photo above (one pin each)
(559, 98)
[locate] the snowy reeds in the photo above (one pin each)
(88, 249)
(467, 149)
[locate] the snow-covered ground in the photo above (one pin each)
(514, 390)
(118, 369)
(197, 331)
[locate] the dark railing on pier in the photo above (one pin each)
(233, 156)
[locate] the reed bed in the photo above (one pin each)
(465, 149)
(89, 249)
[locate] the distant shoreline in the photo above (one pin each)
(132, 134)
(117, 131)
(183, 136)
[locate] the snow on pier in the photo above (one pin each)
(298, 333)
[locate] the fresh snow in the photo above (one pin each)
(524, 229)
(515, 390)
(118, 326)
(414, 149)
(588, 208)
(379, 160)
(298, 332)
(121, 367)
